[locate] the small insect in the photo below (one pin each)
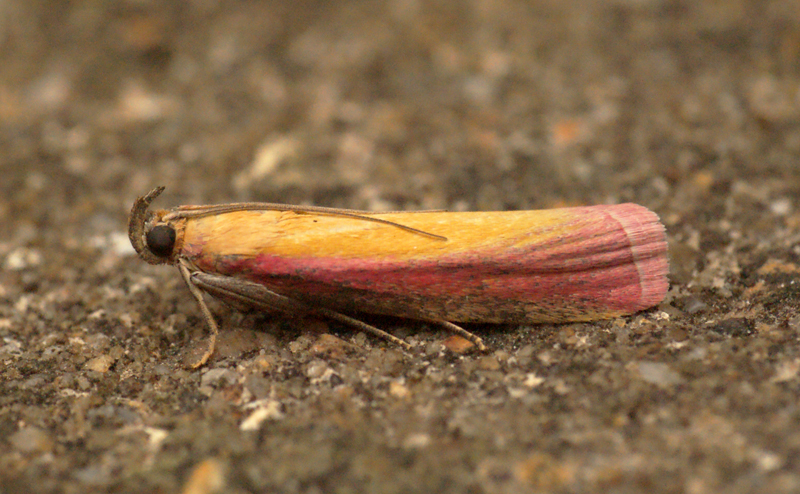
(556, 265)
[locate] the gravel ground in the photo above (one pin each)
(691, 108)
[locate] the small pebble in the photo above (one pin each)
(99, 364)
(659, 374)
(31, 440)
(457, 344)
(693, 305)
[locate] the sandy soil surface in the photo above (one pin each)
(691, 108)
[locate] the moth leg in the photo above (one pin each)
(255, 295)
(212, 324)
(236, 303)
(456, 329)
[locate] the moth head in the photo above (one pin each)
(152, 238)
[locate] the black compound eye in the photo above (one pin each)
(161, 240)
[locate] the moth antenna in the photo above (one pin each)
(139, 217)
(201, 211)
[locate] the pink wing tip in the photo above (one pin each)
(648, 241)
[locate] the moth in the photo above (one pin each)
(547, 266)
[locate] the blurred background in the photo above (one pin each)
(691, 108)
(486, 104)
